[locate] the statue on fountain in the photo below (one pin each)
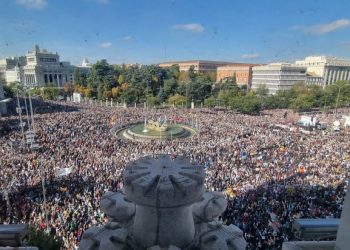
(160, 125)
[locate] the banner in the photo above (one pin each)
(307, 120)
(346, 120)
(63, 172)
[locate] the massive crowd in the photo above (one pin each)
(270, 171)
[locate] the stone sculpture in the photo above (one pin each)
(157, 125)
(163, 206)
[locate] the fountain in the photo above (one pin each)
(155, 130)
(145, 128)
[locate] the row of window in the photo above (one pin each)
(44, 59)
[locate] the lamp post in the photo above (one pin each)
(25, 104)
(42, 174)
(31, 110)
(20, 117)
(36, 147)
(339, 88)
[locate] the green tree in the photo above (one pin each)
(174, 72)
(248, 104)
(161, 97)
(9, 91)
(262, 90)
(209, 102)
(177, 100)
(302, 103)
(121, 79)
(191, 73)
(316, 94)
(170, 86)
(339, 89)
(42, 240)
(50, 92)
(102, 78)
(274, 102)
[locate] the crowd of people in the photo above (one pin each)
(270, 171)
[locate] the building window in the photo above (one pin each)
(47, 59)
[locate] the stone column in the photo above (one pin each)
(343, 234)
(163, 191)
(58, 80)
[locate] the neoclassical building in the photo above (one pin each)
(37, 68)
(331, 69)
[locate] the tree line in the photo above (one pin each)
(146, 83)
(154, 85)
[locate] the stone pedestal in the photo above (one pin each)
(163, 206)
(343, 235)
(163, 191)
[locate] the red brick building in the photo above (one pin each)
(243, 73)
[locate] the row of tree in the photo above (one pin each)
(148, 83)
(300, 97)
(156, 85)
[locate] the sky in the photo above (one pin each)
(153, 31)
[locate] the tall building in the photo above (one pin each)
(331, 69)
(199, 65)
(277, 76)
(242, 72)
(39, 67)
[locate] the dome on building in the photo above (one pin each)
(86, 63)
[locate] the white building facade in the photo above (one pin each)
(45, 67)
(277, 76)
(331, 69)
(37, 68)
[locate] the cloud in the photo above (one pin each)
(127, 38)
(250, 56)
(106, 45)
(32, 4)
(325, 28)
(192, 27)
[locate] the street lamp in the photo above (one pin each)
(19, 109)
(31, 110)
(36, 147)
(339, 88)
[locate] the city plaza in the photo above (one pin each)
(270, 171)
